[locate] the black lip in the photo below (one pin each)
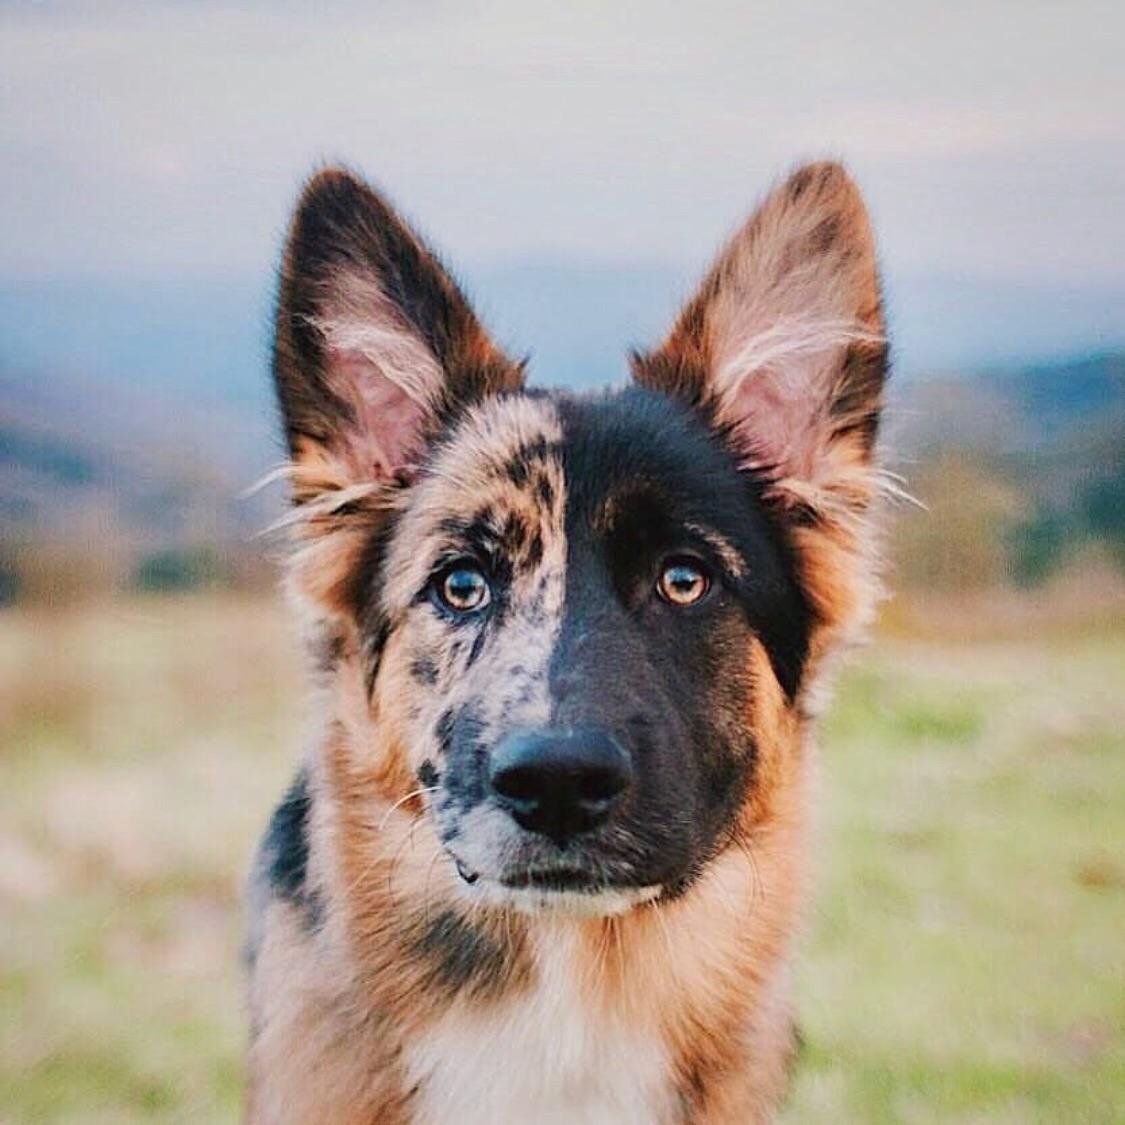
(571, 879)
(555, 880)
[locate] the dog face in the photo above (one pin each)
(580, 622)
(572, 590)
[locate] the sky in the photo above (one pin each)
(548, 145)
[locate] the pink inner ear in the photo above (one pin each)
(777, 386)
(776, 414)
(387, 434)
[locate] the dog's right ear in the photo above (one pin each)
(375, 345)
(375, 348)
(783, 348)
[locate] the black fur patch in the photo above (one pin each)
(286, 850)
(661, 467)
(443, 731)
(363, 595)
(424, 671)
(462, 956)
(487, 540)
(518, 467)
(545, 491)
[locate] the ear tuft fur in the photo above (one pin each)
(375, 345)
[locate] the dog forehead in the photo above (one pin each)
(501, 461)
(494, 439)
(635, 449)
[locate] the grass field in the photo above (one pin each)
(965, 956)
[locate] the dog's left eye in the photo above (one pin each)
(683, 582)
(462, 588)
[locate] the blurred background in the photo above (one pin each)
(578, 165)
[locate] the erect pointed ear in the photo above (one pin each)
(374, 342)
(783, 348)
(375, 346)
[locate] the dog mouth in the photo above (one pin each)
(554, 887)
(540, 879)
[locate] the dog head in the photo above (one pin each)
(579, 635)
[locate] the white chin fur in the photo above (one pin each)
(536, 900)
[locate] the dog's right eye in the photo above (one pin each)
(462, 588)
(683, 582)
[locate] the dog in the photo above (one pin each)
(546, 855)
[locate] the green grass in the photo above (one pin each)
(964, 961)
(964, 954)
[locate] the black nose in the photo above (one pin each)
(560, 783)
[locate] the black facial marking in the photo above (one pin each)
(285, 850)
(518, 467)
(514, 534)
(534, 554)
(485, 538)
(466, 755)
(477, 647)
(483, 519)
(462, 956)
(545, 491)
(375, 640)
(647, 480)
(364, 591)
(428, 774)
(424, 671)
(443, 732)
(658, 468)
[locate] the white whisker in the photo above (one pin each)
(402, 801)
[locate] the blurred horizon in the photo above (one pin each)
(577, 168)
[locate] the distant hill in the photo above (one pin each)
(1055, 400)
(1021, 471)
(1011, 410)
(95, 469)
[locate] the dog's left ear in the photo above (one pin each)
(375, 344)
(783, 349)
(375, 349)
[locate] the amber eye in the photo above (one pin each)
(682, 582)
(463, 589)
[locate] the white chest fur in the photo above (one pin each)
(543, 1057)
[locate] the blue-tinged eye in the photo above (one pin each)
(463, 589)
(682, 582)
